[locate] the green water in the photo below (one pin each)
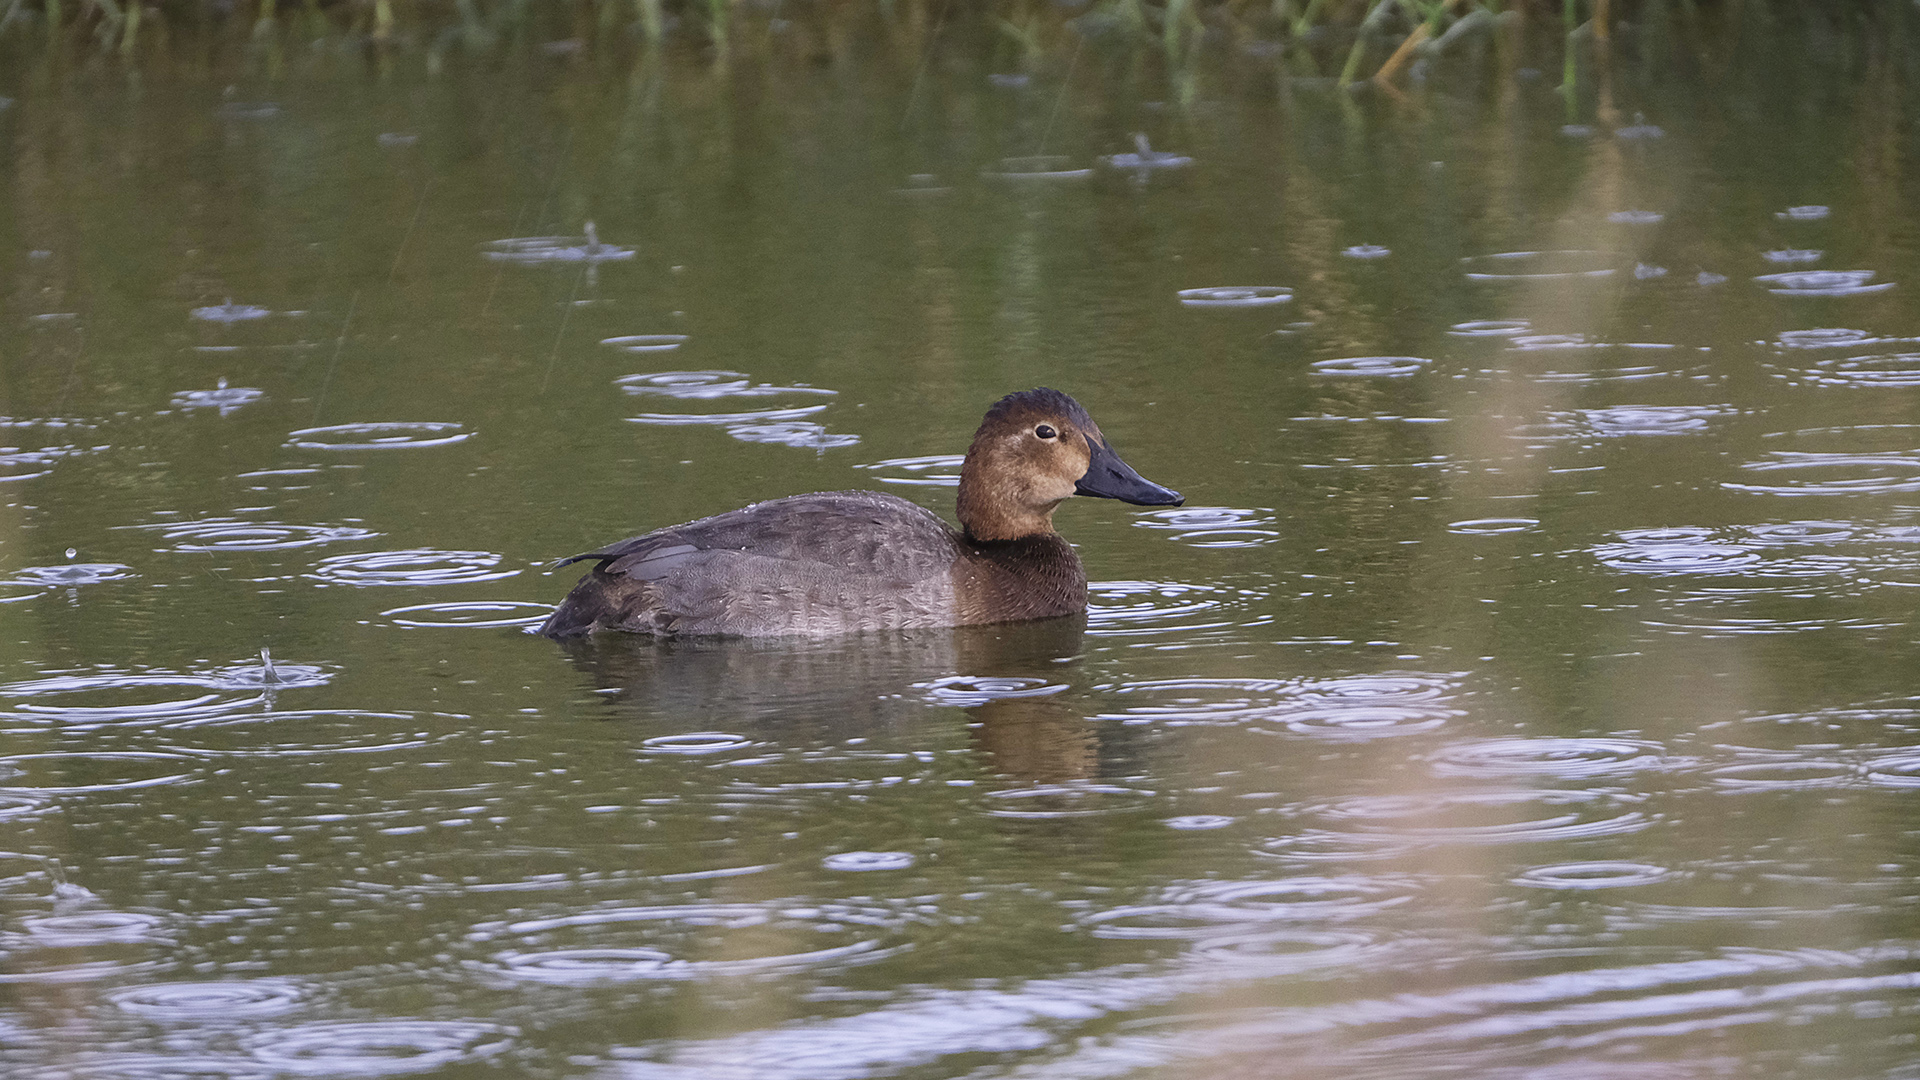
(1540, 701)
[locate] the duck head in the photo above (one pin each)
(1034, 449)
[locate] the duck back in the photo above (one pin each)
(823, 563)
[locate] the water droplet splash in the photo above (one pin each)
(229, 313)
(223, 398)
(1145, 158)
(548, 250)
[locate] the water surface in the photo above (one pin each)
(1526, 688)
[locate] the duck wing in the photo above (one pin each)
(822, 563)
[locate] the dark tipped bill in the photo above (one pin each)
(1110, 478)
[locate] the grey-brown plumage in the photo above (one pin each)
(841, 561)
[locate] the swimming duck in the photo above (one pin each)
(843, 561)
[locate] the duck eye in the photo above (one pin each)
(1045, 431)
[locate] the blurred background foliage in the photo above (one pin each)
(1383, 42)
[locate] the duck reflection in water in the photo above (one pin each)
(792, 691)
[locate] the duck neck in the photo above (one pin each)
(1030, 577)
(988, 515)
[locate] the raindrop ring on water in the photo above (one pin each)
(641, 343)
(1493, 526)
(416, 566)
(1236, 296)
(116, 697)
(1567, 758)
(1656, 556)
(1891, 370)
(1490, 328)
(209, 1001)
(85, 929)
(865, 861)
(1792, 256)
(1826, 338)
(1358, 722)
(937, 470)
(137, 768)
(969, 690)
(1133, 608)
(1069, 800)
(677, 943)
(546, 250)
(223, 398)
(230, 534)
(386, 435)
(1630, 420)
(1213, 526)
(687, 384)
(1199, 822)
(1387, 367)
(69, 575)
(797, 433)
(1866, 473)
(1823, 283)
(696, 743)
(470, 615)
(745, 418)
(379, 1047)
(1594, 875)
(230, 312)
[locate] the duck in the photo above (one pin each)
(841, 562)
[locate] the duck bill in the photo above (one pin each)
(1110, 478)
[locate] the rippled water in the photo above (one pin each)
(1523, 690)
(1235, 296)
(545, 250)
(1032, 168)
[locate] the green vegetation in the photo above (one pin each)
(1183, 49)
(1355, 39)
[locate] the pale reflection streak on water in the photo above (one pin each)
(1486, 1026)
